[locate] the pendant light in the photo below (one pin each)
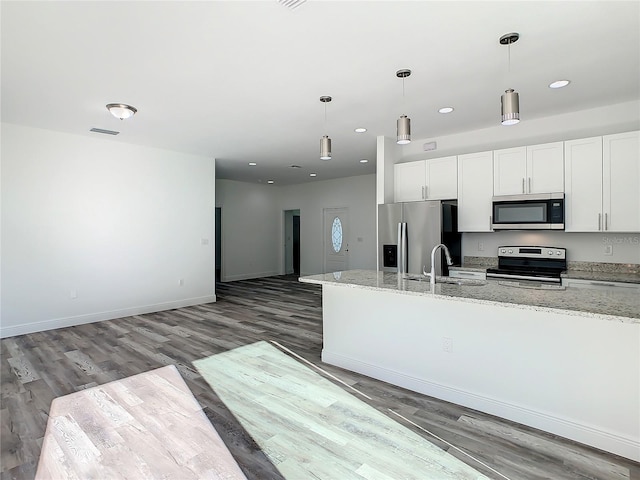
(325, 141)
(403, 128)
(510, 100)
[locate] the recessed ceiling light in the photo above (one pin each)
(364, 160)
(360, 130)
(559, 83)
(269, 181)
(446, 110)
(313, 174)
(252, 164)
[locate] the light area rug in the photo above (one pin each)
(311, 428)
(146, 426)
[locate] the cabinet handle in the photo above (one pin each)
(469, 274)
(606, 223)
(426, 192)
(490, 222)
(522, 184)
(529, 184)
(599, 221)
(423, 192)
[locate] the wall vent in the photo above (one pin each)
(427, 147)
(291, 4)
(106, 132)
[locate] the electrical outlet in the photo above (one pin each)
(608, 249)
(480, 247)
(447, 344)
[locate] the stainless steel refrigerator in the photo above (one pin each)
(407, 232)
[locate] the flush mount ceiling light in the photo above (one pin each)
(313, 174)
(360, 130)
(559, 83)
(446, 110)
(364, 160)
(269, 182)
(325, 141)
(510, 100)
(252, 164)
(403, 129)
(121, 110)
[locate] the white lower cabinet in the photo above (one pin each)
(602, 183)
(475, 191)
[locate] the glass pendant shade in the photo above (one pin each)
(404, 130)
(325, 148)
(510, 107)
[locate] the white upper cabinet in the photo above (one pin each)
(530, 169)
(433, 179)
(509, 171)
(621, 182)
(583, 185)
(475, 189)
(409, 181)
(602, 176)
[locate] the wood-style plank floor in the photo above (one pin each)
(38, 367)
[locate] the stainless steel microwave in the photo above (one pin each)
(544, 211)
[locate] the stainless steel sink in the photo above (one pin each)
(449, 280)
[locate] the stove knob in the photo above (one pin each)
(503, 251)
(510, 251)
(550, 252)
(558, 252)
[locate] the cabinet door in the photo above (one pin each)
(583, 185)
(442, 178)
(475, 189)
(409, 181)
(545, 168)
(509, 171)
(621, 182)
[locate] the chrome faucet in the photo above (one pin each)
(432, 276)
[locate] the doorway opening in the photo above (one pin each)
(292, 241)
(218, 229)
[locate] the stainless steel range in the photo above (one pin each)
(532, 263)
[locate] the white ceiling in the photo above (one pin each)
(241, 80)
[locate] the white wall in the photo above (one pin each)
(116, 225)
(251, 227)
(581, 247)
(253, 224)
(620, 117)
(358, 194)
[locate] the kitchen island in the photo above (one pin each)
(564, 361)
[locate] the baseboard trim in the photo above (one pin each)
(586, 434)
(249, 276)
(101, 316)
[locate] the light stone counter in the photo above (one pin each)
(604, 304)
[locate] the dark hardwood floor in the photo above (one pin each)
(38, 367)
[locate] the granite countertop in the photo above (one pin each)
(596, 271)
(606, 304)
(602, 276)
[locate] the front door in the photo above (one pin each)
(336, 239)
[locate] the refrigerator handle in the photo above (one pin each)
(402, 247)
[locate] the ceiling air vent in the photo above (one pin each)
(291, 4)
(427, 147)
(106, 132)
